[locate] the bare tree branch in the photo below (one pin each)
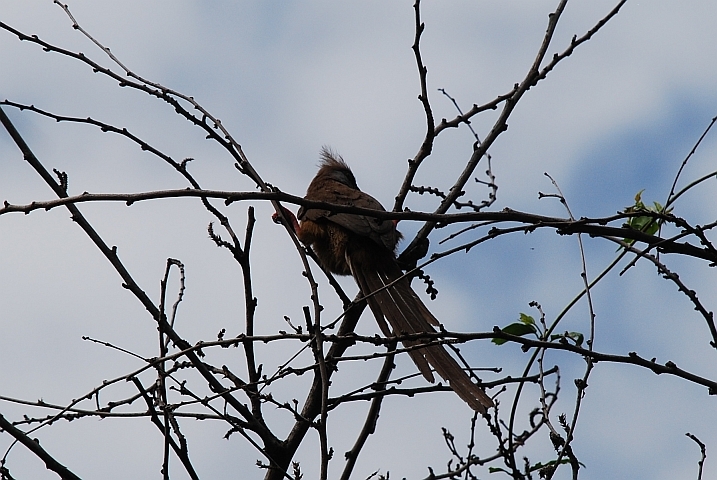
(34, 446)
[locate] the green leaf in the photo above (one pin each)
(647, 224)
(496, 469)
(638, 198)
(527, 319)
(578, 337)
(517, 329)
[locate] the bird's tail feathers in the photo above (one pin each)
(407, 314)
(380, 303)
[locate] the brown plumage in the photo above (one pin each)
(364, 247)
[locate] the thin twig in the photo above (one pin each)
(671, 197)
(703, 453)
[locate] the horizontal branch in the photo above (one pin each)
(75, 413)
(446, 336)
(439, 387)
(631, 358)
(592, 226)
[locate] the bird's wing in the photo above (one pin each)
(380, 231)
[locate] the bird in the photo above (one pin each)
(365, 248)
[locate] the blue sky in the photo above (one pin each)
(616, 117)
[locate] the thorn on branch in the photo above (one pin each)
(62, 176)
(184, 163)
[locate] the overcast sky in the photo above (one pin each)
(285, 78)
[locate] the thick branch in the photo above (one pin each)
(34, 446)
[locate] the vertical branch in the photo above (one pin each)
(318, 349)
(161, 375)
(161, 392)
(250, 308)
(427, 145)
(581, 384)
(369, 425)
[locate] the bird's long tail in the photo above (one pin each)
(407, 314)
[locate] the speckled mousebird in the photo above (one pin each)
(364, 247)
